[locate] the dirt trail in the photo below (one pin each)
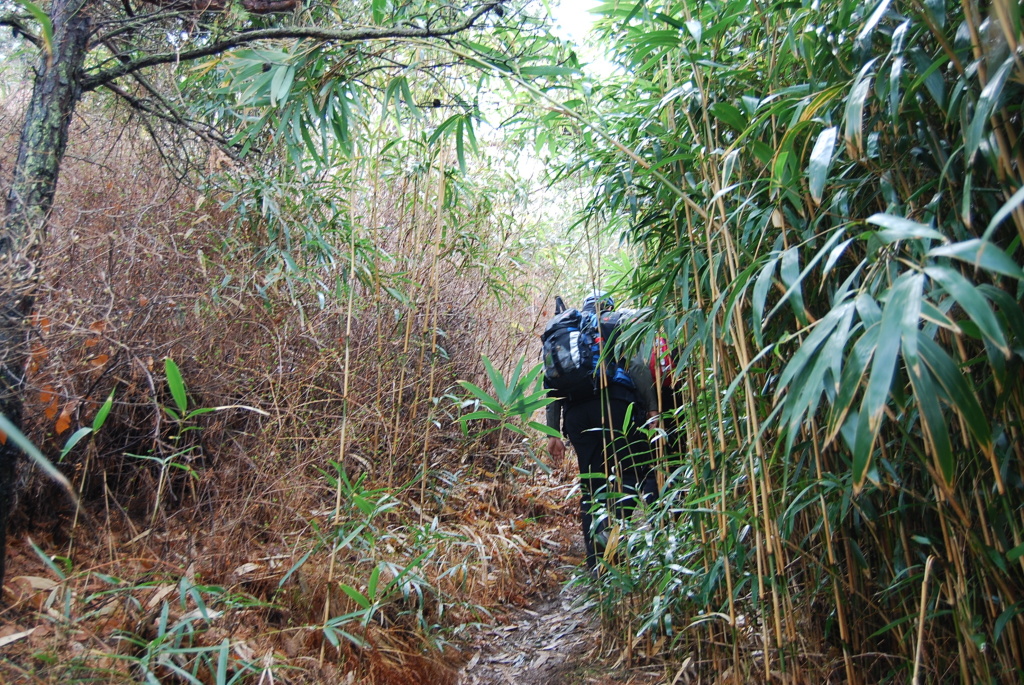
(553, 641)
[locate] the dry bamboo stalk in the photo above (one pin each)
(346, 376)
(431, 317)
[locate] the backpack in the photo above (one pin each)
(571, 348)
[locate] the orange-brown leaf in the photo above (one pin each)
(98, 326)
(64, 420)
(41, 322)
(51, 409)
(99, 360)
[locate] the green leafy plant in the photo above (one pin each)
(518, 398)
(175, 645)
(97, 423)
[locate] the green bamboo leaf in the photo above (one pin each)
(480, 393)
(972, 302)
(821, 161)
(981, 254)
(410, 102)
(729, 114)
(958, 392)
(460, 146)
(545, 429)
(895, 74)
(104, 411)
(792, 278)
(805, 393)
(281, 84)
(898, 228)
(834, 256)
(761, 286)
(1015, 609)
(987, 103)
(1004, 211)
(928, 70)
(900, 316)
(72, 441)
(853, 132)
(822, 330)
(548, 70)
(933, 423)
(357, 596)
(695, 29)
(872, 21)
(515, 389)
(1009, 308)
(14, 434)
(371, 587)
(222, 660)
(176, 384)
(497, 380)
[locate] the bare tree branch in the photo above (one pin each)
(169, 114)
(20, 25)
(315, 33)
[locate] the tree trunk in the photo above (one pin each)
(44, 137)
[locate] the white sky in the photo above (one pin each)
(573, 18)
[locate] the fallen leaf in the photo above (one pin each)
(64, 420)
(4, 641)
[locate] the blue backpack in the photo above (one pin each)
(571, 345)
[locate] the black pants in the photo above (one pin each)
(605, 446)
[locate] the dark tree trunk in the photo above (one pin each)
(44, 137)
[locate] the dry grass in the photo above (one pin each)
(140, 268)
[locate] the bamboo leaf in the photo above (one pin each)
(548, 70)
(958, 392)
(872, 21)
(764, 281)
(972, 302)
(898, 228)
(987, 103)
(821, 161)
(11, 432)
(853, 132)
(981, 254)
(1004, 211)
(73, 440)
(104, 412)
(358, 597)
(901, 314)
(176, 384)
(730, 115)
(933, 423)
(497, 380)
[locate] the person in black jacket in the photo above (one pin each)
(614, 456)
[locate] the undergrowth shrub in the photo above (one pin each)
(318, 329)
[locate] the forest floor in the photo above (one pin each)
(546, 629)
(558, 639)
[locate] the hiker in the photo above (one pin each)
(614, 457)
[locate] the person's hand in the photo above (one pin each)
(556, 448)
